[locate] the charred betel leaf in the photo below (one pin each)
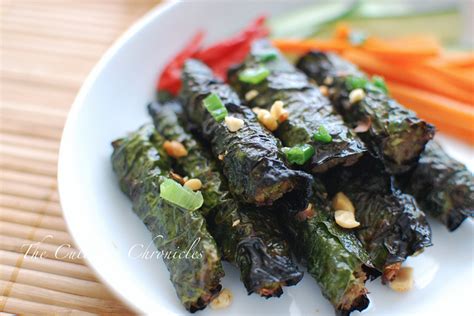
(141, 167)
(396, 135)
(251, 158)
(392, 227)
(249, 238)
(308, 110)
(334, 256)
(442, 186)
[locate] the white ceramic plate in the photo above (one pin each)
(112, 102)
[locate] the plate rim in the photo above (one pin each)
(76, 233)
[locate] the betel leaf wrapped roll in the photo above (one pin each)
(442, 186)
(309, 112)
(392, 227)
(251, 158)
(333, 256)
(392, 132)
(141, 167)
(250, 239)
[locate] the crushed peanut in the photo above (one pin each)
(276, 108)
(223, 300)
(250, 95)
(261, 112)
(193, 184)
(256, 110)
(356, 95)
(278, 112)
(236, 222)
(341, 202)
(175, 149)
(345, 219)
(268, 121)
(221, 157)
(233, 123)
(328, 81)
(403, 282)
(308, 212)
(324, 90)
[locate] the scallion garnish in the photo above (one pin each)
(299, 154)
(254, 75)
(175, 193)
(322, 135)
(354, 82)
(266, 55)
(379, 82)
(214, 105)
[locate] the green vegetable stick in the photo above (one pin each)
(396, 135)
(311, 118)
(141, 166)
(248, 238)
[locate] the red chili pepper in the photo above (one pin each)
(232, 51)
(219, 56)
(170, 79)
(221, 49)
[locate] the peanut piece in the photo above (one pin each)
(341, 202)
(175, 149)
(403, 281)
(223, 300)
(356, 95)
(345, 219)
(233, 123)
(193, 184)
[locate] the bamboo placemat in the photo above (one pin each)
(47, 49)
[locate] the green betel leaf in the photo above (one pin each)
(307, 110)
(141, 167)
(251, 159)
(249, 238)
(442, 186)
(395, 134)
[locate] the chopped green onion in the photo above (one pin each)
(299, 154)
(175, 193)
(353, 82)
(266, 55)
(254, 75)
(322, 135)
(214, 105)
(379, 82)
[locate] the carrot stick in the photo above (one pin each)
(453, 75)
(303, 46)
(409, 75)
(453, 130)
(454, 60)
(448, 115)
(412, 48)
(427, 102)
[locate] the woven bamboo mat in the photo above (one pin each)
(47, 49)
